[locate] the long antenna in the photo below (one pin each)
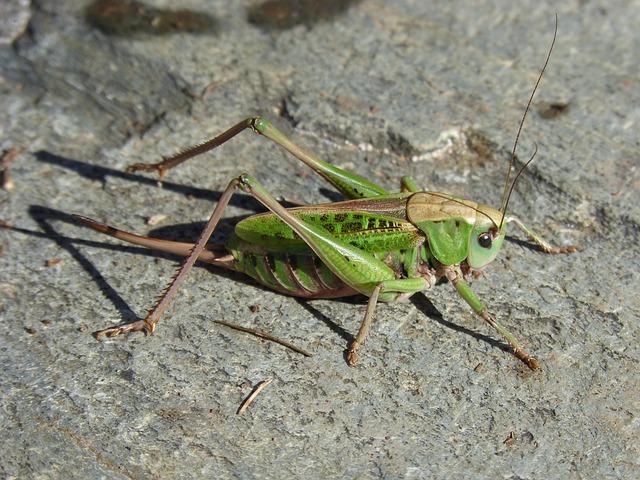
(515, 179)
(506, 193)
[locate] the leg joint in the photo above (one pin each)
(259, 124)
(244, 181)
(452, 275)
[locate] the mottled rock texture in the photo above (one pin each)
(429, 89)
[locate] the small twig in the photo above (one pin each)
(252, 396)
(511, 438)
(265, 335)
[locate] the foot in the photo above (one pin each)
(136, 326)
(352, 353)
(148, 167)
(530, 361)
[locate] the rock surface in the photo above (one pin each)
(386, 89)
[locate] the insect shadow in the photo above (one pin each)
(424, 305)
(524, 244)
(46, 218)
(100, 174)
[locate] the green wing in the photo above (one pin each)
(371, 232)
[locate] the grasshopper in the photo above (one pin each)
(384, 245)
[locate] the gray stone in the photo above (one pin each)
(432, 90)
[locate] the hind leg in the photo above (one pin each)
(349, 184)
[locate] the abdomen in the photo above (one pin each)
(297, 274)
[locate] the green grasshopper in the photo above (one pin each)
(384, 245)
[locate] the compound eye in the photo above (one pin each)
(485, 240)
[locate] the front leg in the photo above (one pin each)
(545, 246)
(454, 275)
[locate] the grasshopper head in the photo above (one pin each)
(485, 242)
(486, 237)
